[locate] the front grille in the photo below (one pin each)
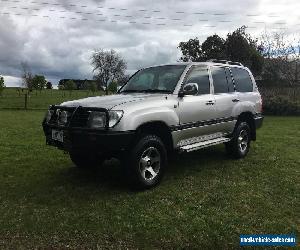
(77, 117)
(55, 118)
(80, 118)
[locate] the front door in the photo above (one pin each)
(196, 112)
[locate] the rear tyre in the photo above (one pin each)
(239, 146)
(86, 159)
(147, 162)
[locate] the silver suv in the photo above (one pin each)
(178, 107)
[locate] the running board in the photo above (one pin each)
(203, 144)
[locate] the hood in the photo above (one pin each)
(109, 101)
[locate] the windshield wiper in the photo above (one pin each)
(146, 91)
(130, 90)
(156, 91)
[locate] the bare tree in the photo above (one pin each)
(108, 66)
(26, 76)
(282, 56)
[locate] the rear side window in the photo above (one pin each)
(199, 75)
(219, 80)
(242, 80)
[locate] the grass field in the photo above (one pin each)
(14, 99)
(206, 200)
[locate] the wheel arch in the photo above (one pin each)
(249, 118)
(158, 128)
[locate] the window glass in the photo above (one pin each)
(229, 80)
(200, 76)
(242, 80)
(219, 80)
(160, 78)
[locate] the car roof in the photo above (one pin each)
(207, 63)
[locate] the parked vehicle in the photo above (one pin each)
(178, 107)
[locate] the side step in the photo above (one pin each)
(203, 144)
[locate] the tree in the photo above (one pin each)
(92, 87)
(26, 76)
(238, 46)
(113, 87)
(191, 50)
(108, 66)
(2, 85)
(70, 85)
(61, 86)
(282, 57)
(213, 48)
(123, 79)
(49, 85)
(38, 82)
(241, 47)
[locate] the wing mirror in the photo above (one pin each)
(189, 89)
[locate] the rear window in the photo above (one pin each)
(242, 80)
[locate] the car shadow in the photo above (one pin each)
(67, 182)
(113, 176)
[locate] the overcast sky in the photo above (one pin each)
(56, 38)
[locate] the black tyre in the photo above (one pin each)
(146, 162)
(86, 159)
(239, 146)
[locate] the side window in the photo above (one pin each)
(219, 80)
(242, 80)
(200, 76)
(229, 80)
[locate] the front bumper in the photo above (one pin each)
(78, 136)
(87, 140)
(258, 119)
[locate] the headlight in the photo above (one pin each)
(98, 119)
(62, 117)
(114, 117)
(48, 115)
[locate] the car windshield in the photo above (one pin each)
(155, 79)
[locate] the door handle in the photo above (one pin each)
(210, 103)
(235, 100)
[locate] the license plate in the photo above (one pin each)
(58, 135)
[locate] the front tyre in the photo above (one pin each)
(147, 162)
(239, 146)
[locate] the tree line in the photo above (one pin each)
(273, 57)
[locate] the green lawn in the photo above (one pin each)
(206, 200)
(12, 98)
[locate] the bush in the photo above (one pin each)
(281, 106)
(113, 87)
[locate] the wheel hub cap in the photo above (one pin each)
(243, 140)
(150, 163)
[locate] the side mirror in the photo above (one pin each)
(189, 89)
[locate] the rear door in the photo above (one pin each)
(225, 98)
(245, 88)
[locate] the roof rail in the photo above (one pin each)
(225, 62)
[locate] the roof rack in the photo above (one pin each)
(225, 62)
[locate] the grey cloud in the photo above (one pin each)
(61, 47)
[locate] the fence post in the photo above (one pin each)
(26, 96)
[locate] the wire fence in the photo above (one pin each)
(16, 98)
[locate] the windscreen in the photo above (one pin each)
(155, 79)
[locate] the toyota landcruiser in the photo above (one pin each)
(178, 107)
